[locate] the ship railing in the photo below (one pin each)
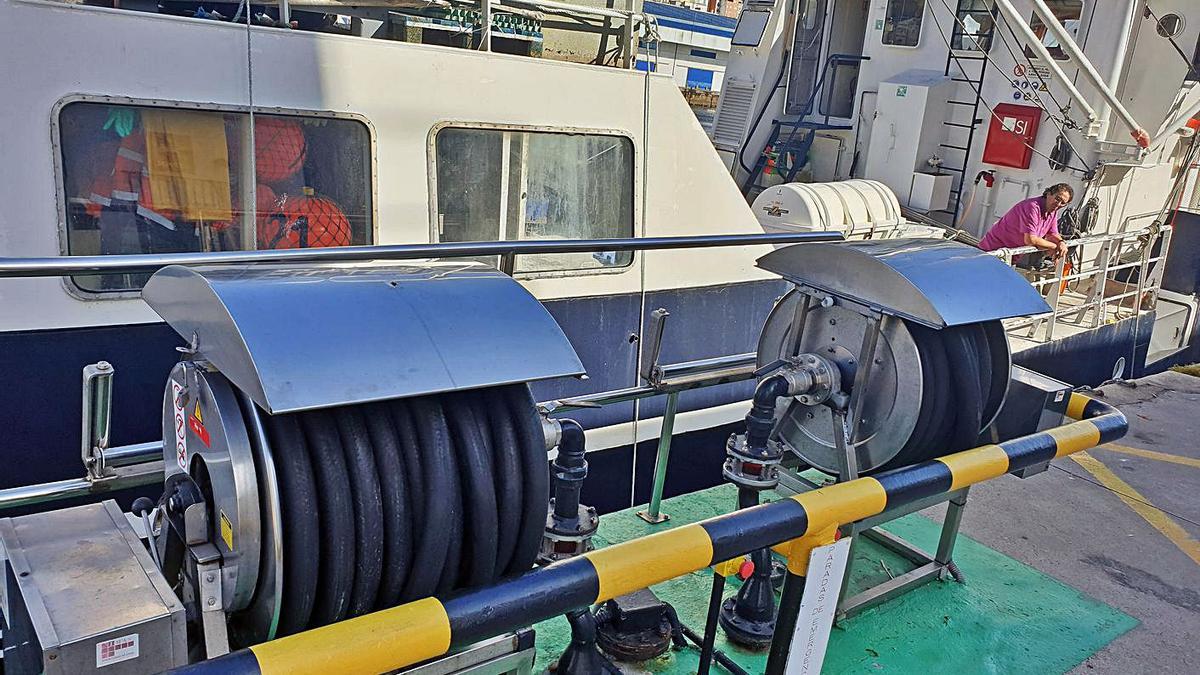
(628, 25)
(1114, 275)
(141, 464)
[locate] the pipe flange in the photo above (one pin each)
(748, 633)
(568, 537)
(813, 377)
(744, 469)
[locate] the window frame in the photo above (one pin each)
(1034, 16)
(920, 32)
(431, 160)
(733, 39)
(60, 194)
(957, 31)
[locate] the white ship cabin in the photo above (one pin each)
(965, 107)
(171, 127)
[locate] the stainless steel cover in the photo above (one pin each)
(935, 283)
(299, 337)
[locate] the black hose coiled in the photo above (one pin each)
(388, 502)
(961, 390)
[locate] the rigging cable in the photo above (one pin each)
(1191, 65)
(1124, 495)
(979, 94)
(1067, 120)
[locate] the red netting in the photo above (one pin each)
(307, 220)
(279, 148)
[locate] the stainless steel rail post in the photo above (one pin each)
(652, 514)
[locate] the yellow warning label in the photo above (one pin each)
(226, 531)
(197, 415)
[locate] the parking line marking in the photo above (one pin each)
(1140, 505)
(1151, 454)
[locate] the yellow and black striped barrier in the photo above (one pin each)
(394, 638)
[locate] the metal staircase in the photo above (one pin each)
(790, 141)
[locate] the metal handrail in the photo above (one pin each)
(427, 628)
(149, 262)
(141, 463)
(1113, 244)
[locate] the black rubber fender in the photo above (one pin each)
(299, 519)
(368, 509)
(336, 512)
(394, 496)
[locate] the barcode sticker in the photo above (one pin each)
(116, 650)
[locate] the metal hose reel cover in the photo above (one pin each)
(935, 283)
(302, 337)
(892, 405)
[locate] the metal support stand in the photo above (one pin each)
(710, 623)
(652, 514)
(929, 567)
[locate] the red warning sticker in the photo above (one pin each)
(196, 424)
(116, 650)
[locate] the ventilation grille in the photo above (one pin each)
(732, 113)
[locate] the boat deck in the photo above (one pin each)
(1090, 567)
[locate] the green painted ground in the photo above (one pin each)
(1007, 618)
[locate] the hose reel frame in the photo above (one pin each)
(395, 342)
(902, 303)
(278, 537)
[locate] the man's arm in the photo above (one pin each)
(1051, 243)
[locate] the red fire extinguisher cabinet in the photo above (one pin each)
(1011, 135)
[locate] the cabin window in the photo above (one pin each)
(902, 22)
(974, 25)
(142, 179)
(750, 28)
(510, 184)
(1069, 14)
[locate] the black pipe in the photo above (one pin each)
(535, 493)
(506, 461)
(395, 491)
(298, 515)
(761, 418)
(785, 623)
(442, 509)
(479, 493)
(570, 470)
(582, 656)
(681, 629)
(368, 509)
(710, 623)
(336, 512)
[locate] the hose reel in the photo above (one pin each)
(939, 360)
(323, 515)
(349, 449)
(931, 391)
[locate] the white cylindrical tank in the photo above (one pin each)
(849, 206)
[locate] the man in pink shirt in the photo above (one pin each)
(1032, 222)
